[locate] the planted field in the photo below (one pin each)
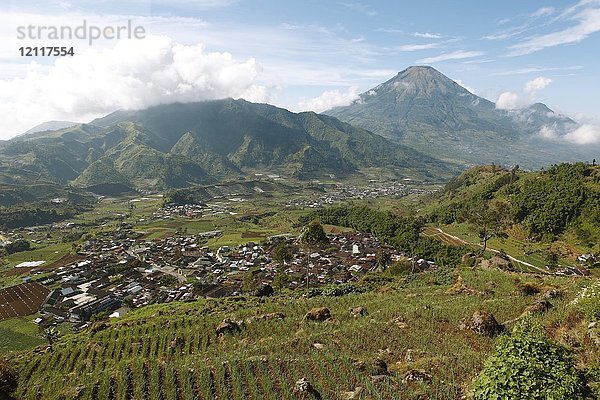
(173, 352)
(22, 300)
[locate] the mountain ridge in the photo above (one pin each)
(182, 144)
(422, 108)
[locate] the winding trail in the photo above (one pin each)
(456, 238)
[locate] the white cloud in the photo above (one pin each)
(330, 99)
(537, 84)
(416, 47)
(427, 35)
(542, 12)
(508, 101)
(469, 88)
(585, 134)
(134, 74)
(588, 22)
(456, 55)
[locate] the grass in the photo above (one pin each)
(17, 334)
(267, 357)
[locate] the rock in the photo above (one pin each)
(400, 322)
(497, 262)
(482, 322)
(379, 378)
(318, 346)
(467, 257)
(319, 314)
(273, 316)
(553, 294)
(176, 342)
(417, 375)
(304, 390)
(358, 312)
(98, 327)
(354, 394)
(227, 326)
(529, 289)
(373, 367)
(539, 307)
(460, 287)
(264, 291)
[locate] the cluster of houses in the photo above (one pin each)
(114, 272)
(195, 210)
(341, 192)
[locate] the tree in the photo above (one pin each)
(248, 284)
(51, 335)
(282, 254)
(491, 218)
(17, 246)
(314, 235)
(281, 280)
(383, 258)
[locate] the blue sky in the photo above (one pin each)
(299, 55)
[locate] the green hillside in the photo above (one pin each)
(550, 212)
(407, 344)
(179, 145)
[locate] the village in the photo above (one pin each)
(342, 192)
(114, 272)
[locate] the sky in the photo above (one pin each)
(300, 55)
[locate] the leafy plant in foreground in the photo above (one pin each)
(527, 365)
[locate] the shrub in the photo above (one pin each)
(8, 379)
(588, 300)
(527, 365)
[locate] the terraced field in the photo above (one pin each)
(173, 352)
(22, 300)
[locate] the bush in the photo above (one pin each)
(527, 365)
(588, 301)
(8, 379)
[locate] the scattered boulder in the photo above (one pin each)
(553, 294)
(379, 378)
(304, 390)
(176, 342)
(354, 394)
(468, 257)
(483, 323)
(417, 375)
(273, 316)
(319, 314)
(98, 327)
(227, 327)
(593, 333)
(460, 287)
(359, 312)
(539, 307)
(528, 289)
(373, 367)
(497, 262)
(264, 291)
(400, 322)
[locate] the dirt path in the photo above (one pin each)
(462, 241)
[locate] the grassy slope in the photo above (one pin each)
(478, 181)
(267, 357)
